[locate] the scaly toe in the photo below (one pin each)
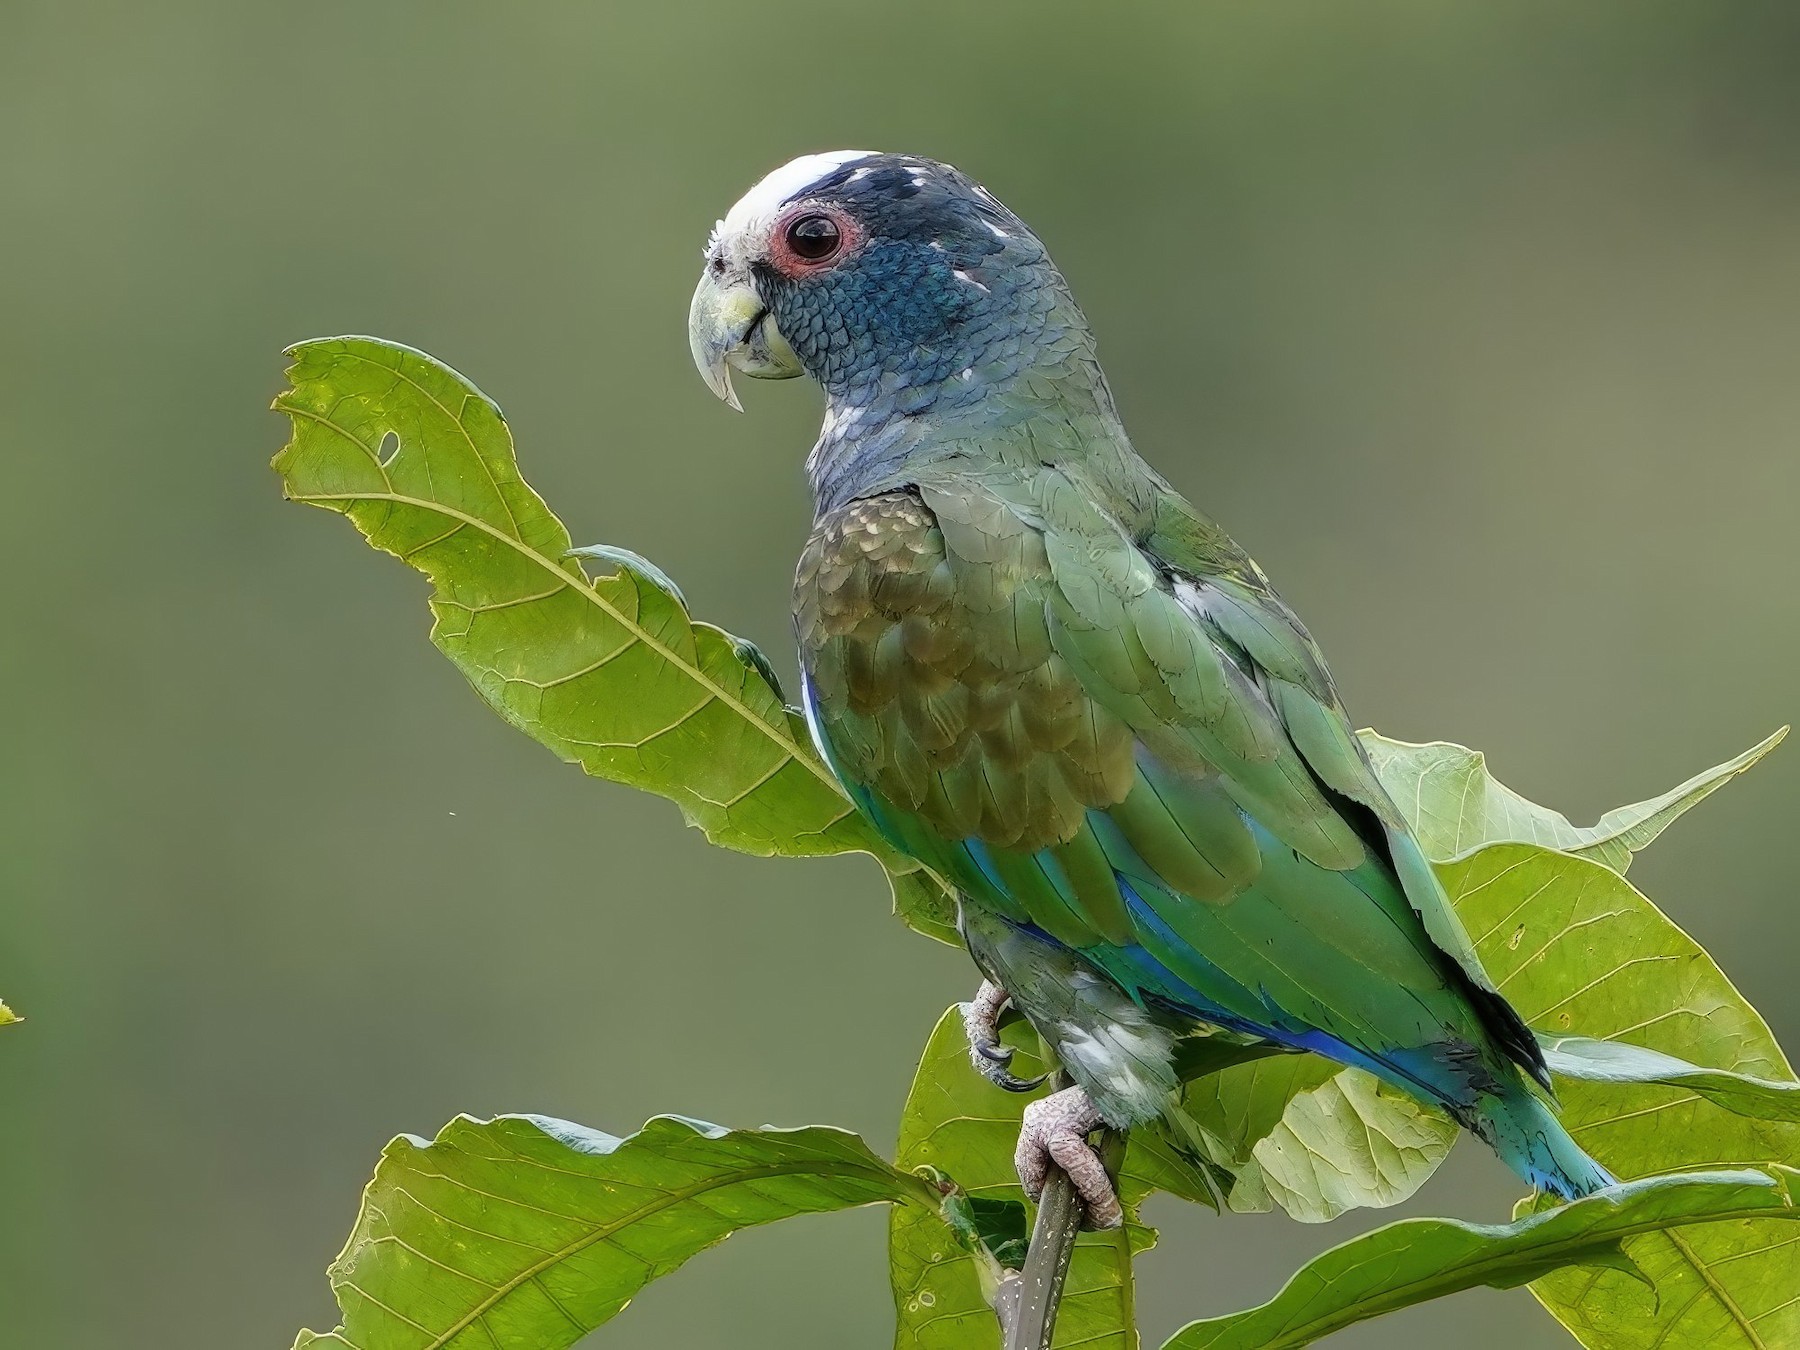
(1055, 1133)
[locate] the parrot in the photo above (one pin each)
(1041, 673)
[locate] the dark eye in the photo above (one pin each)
(814, 238)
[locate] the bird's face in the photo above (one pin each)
(860, 270)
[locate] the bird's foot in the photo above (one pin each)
(990, 1056)
(1055, 1133)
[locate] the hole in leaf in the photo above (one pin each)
(389, 447)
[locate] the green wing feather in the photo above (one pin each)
(1053, 713)
(1238, 603)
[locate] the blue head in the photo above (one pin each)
(897, 283)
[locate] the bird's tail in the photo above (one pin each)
(1532, 1141)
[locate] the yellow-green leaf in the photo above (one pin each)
(1316, 1139)
(1616, 1062)
(609, 672)
(1454, 804)
(528, 1231)
(1415, 1260)
(1579, 951)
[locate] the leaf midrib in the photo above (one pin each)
(1715, 1288)
(665, 1201)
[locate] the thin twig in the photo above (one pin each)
(1027, 1300)
(1035, 1292)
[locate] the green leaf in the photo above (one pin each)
(8, 1016)
(1579, 951)
(960, 1124)
(1419, 1259)
(528, 1231)
(1455, 805)
(1615, 1062)
(924, 902)
(1302, 1133)
(611, 673)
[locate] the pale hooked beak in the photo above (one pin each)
(729, 327)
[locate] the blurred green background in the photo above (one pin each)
(1479, 323)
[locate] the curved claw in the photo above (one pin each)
(990, 1055)
(1011, 1082)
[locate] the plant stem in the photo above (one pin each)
(1028, 1298)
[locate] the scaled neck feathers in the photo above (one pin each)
(1027, 390)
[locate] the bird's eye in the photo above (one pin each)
(814, 238)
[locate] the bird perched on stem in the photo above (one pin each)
(1042, 673)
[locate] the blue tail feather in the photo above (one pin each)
(1532, 1141)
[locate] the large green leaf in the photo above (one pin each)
(1578, 950)
(1420, 1259)
(960, 1124)
(527, 1231)
(1300, 1132)
(1455, 804)
(1317, 1140)
(611, 673)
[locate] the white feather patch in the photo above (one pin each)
(761, 202)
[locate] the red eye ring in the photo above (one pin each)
(810, 238)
